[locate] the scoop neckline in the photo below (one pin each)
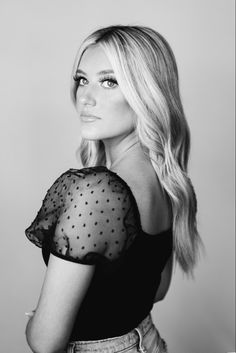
(163, 232)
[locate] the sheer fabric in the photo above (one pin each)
(89, 215)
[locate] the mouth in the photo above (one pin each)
(88, 117)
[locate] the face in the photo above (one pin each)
(102, 107)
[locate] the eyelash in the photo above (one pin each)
(102, 79)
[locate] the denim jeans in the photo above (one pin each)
(145, 338)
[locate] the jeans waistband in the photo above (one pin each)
(114, 344)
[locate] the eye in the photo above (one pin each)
(81, 81)
(109, 83)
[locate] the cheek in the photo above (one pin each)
(118, 111)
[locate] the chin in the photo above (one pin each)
(90, 137)
(89, 133)
(94, 135)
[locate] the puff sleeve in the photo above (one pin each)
(86, 216)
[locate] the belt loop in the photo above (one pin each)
(70, 348)
(141, 348)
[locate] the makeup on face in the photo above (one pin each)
(103, 110)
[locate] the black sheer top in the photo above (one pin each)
(90, 216)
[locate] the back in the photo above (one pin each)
(154, 209)
(153, 204)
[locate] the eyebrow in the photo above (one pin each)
(103, 72)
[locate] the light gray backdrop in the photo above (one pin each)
(40, 131)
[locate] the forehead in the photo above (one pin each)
(94, 60)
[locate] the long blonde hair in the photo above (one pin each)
(146, 71)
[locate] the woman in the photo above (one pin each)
(109, 231)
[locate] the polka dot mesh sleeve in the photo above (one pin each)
(86, 216)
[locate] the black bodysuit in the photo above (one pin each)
(90, 216)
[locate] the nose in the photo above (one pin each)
(86, 100)
(87, 97)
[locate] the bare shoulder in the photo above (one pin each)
(152, 202)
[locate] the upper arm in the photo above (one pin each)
(64, 288)
(165, 280)
(85, 218)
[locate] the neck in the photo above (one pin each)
(116, 151)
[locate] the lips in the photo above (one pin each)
(88, 117)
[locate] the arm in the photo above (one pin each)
(165, 280)
(73, 238)
(64, 288)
